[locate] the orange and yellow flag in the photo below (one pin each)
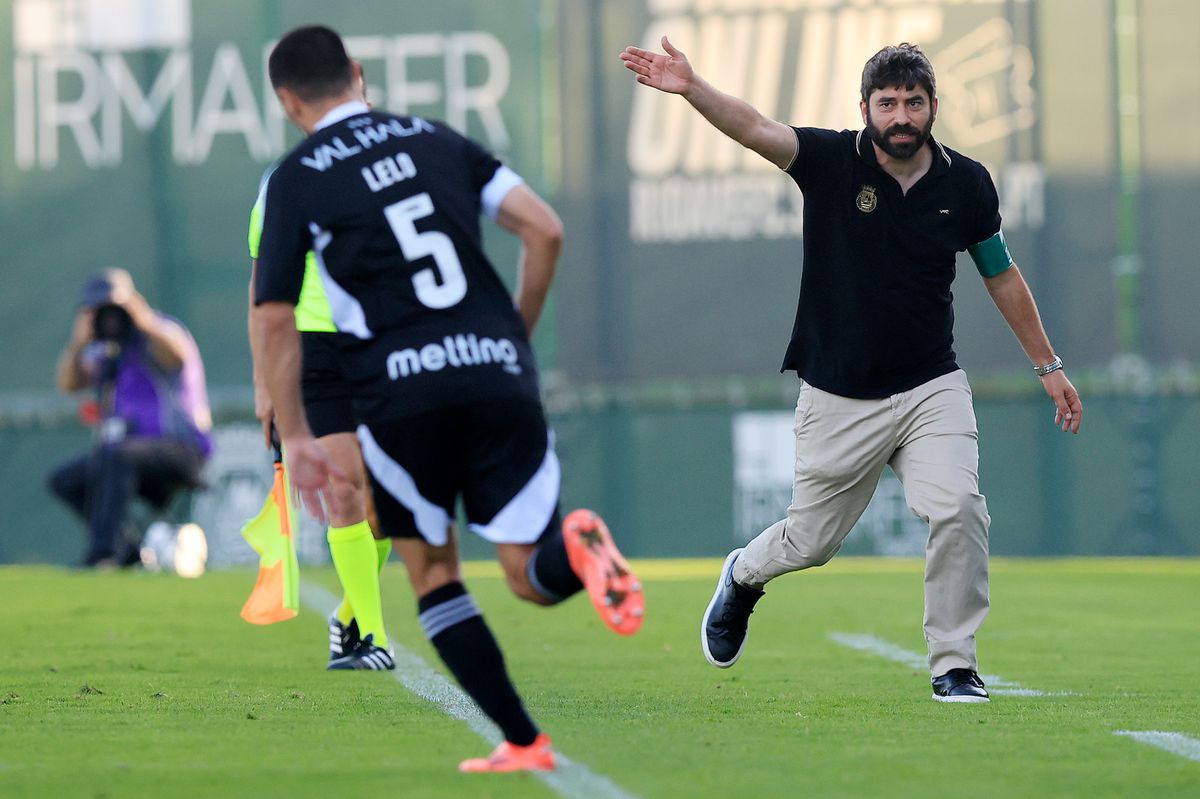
(276, 594)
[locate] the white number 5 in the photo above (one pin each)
(416, 245)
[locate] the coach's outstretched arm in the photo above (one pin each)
(525, 214)
(736, 118)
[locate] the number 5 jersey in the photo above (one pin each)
(390, 208)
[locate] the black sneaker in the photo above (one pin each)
(342, 637)
(365, 656)
(723, 629)
(959, 685)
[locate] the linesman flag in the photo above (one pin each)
(276, 594)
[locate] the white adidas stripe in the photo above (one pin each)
(380, 660)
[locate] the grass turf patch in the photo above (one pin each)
(134, 684)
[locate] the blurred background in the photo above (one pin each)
(134, 133)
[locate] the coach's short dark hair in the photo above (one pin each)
(898, 65)
(312, 62)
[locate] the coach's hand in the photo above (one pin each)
(1068, 410)
(668, 73)
(309, 468)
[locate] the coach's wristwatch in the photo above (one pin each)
(1047, 368)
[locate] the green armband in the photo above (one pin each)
(991, 255)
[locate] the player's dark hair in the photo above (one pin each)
(898, 65)
(312, 62)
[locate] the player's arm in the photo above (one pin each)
(525, 214)
(1015, 301)
(278, 243)
(309, 466)
(278, 275)
(737, 119)
(264, 411)
(273, 327)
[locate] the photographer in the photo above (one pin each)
(150, 409)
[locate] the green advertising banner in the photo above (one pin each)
(135, 135)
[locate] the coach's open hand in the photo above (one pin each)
(668, 73)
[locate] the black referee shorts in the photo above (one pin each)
(328, 399)
(498, 457)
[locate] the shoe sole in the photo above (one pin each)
(334, 665)
(542, 759)
(470, 768)
(482, 766)
(729, 559)
(614, 589)
(962, 700)
(375, 660)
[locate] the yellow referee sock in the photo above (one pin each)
(383, 550)
(357, 563)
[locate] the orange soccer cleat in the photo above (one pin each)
(614, 588)
(538, 756)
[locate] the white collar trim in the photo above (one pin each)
(340, 112)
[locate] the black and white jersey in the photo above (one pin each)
(391, 206)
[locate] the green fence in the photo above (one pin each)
(680, 481)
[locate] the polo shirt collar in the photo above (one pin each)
(866, 151)
(351, 108)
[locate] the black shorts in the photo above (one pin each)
(328, 396)
(498, 457)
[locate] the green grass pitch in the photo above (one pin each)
(143, 685)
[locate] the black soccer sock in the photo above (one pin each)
(454, 625)
(549, 569)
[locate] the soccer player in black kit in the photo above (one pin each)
(439, 356)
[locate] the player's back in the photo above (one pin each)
(391, 207)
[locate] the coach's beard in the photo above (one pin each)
(900, 149)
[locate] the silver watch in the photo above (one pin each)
(1047, 368)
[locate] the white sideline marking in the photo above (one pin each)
(1173, 742)
(569, 779)
(877, 646)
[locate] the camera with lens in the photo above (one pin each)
(111, 323)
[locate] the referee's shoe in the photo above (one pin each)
(727, 619)
(365, 656)
(342, 637)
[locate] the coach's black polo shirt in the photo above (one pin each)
(875, 315)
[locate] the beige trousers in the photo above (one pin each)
(929, 437)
